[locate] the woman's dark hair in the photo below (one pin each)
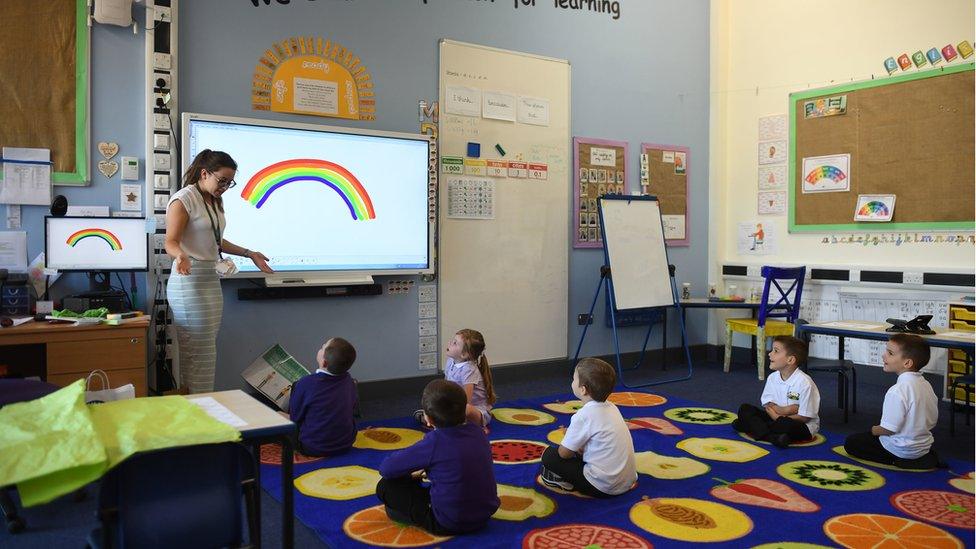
(210, 161)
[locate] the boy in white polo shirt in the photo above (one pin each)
(596, 456)
(790, 399)
(909, 413)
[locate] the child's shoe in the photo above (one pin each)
(553, 480)
(781, 440)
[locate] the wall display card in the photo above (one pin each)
(874, 207)
(772, 152)
(772, 177)
(539, 171)
(679, 163)
(826, 106)
(463, 101)
(674, 227)
(13, 216)
(600, 168)
(427, 327)
(756, 238)
(452, 165)
(496, 168)
(667, 157)
(13, 250)
(827, 174)
(773, 127)
(130, 197)
(470, 198)
(772, 202)
(498, 105)
(518, 170)
(533, 110)
(26, 176)
(475, 167)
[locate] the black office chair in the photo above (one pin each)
(184, 497)
(846, 377)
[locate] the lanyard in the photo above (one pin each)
(214, 225)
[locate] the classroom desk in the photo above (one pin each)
(704, 303)
(67, 352)
(264, 425)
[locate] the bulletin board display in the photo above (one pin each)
(666, 178)
(44, 92)
(600, 167)
(909, 136)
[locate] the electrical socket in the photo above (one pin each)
(583, 319)
(428, 309)
(162, 61)
(161, 182)
(428, 361)
(912, 278)
(163, 80)
(427, 292)
(428, 344)
(161, 122)
(161, 161)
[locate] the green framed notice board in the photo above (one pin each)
(911, 136)
(44, 93)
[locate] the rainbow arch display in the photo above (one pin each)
(268, 180)
(873, 208)
(93, 232)
(825, 172)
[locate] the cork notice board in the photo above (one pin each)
(44, 88)
(910, 136)
(600, 169)
(667, 179)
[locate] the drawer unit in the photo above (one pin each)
(962, 317)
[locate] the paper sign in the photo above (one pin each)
(826, 174)
(533, 110)
(772, 152)
(498, 105)
(463, 101)
(130, 197)
(772, 177)
(474, 166)
(538, 171)
(874, 207)
(772, 202)
(753, 238)
(497, 168)
(772, 127)
(518, 170)
(667, 157)
(26, 176)
(452, 165)
(603, 157)
(13, 250)
(674, 227)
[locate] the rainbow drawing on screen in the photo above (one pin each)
(260, 186)
(825, 172)
(874, 208)
(112, 240)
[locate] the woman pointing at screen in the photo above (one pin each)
(194, 238)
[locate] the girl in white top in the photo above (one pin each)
(194, 238)
(468, 366)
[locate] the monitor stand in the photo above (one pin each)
(99, 282)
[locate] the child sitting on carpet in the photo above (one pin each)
(596, 456)
(323, 403)
(468, 366)
(790, 399)
(909, 412)
(457, 459)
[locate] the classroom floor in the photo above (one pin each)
(65, 523)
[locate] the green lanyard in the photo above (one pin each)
(214, 226)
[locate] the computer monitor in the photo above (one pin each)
(80, 244)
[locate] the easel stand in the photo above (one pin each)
(605, 275)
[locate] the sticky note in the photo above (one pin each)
(919, 58)
(948, 52)
(904, 62)
(965, 49)
(934, 56)
(474, 150)
(890, 65)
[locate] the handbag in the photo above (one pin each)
(106, 393)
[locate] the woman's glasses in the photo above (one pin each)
(223, 182)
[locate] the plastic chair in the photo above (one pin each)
(968, 383)
(184, 497)
(761, 327)
(846, 376)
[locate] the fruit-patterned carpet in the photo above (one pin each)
(699, 481)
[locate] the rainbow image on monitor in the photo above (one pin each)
(94, 232)
(820, 173)
(266, 181)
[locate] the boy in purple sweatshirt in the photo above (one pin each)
(456, 456)
(323, 404)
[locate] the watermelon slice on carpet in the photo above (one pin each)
(945, 508)
(511, 451)
(764, 493)
(576, 536)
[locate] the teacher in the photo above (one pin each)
(194, 238)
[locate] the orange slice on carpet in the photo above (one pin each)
(513, 452)
(339, 483)
(690, 519)
(577, 536)
(372, 527)
(386, 438)
(271, 455)
(632, 398)
(945, 508)
(869, 531)
(965, 483)
(568, 407)
(522, 416)
(817, 439)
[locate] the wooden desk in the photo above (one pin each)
(71, 352)
(263, 425)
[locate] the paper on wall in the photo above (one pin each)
(674, 227)
(130, 197)
(533, 110)
(600, 156)
(463, 101)
(498, 105)
(772, 152)
(772, 177)
(756, 238)
(13, 250)
(772, 127)
(26, 176)
(772, 202)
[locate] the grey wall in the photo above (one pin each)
(643, 77)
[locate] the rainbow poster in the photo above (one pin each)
(269, 179)
(874, 207)
(94, 232)
(827, 174)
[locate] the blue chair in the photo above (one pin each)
(761, 327)
(184, 497)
